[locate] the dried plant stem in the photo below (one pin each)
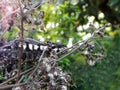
(11, 86)
(38, 64)
(75, 48)
(1, 36)
(21, 40)
(22, 73)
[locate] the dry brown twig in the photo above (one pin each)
(37, 64)
(21, 40)
(9, 80)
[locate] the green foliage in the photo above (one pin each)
(12, 34)
(114, 4)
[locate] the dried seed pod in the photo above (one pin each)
(41, 15)
(92, 27)
(38, 22)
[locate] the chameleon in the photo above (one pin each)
(32, 50)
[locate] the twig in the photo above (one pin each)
(97, 30)
(38, 64)
(1, 36)
(72, 47)
(21, 41)
(21, 78)
(11, 86)
(23, 73)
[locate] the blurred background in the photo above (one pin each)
(67, 21)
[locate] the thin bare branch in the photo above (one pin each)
(38, 64)
(22, 73)
(11, 86)
(21, 40)
(82, 42)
